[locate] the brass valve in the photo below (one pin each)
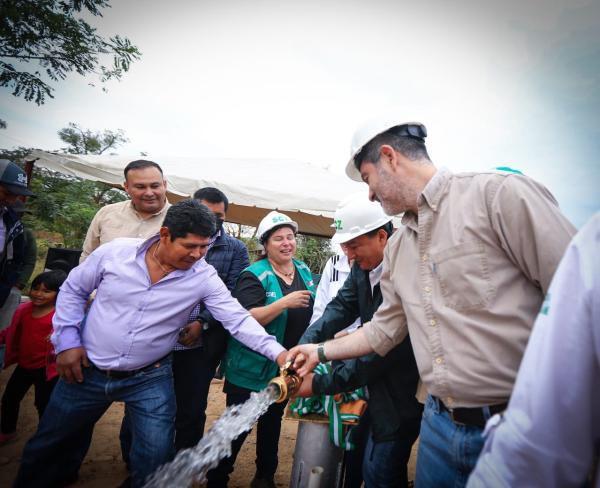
(286, 384)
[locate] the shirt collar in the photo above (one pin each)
(431, 196)
(434, 190)
(160, 212)
(140, 255)
(144, 245)
(213, 239)
(375, 275)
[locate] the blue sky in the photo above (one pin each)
(494, 82)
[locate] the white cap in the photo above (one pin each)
(364, 134)
(274, 219)
(356, 216)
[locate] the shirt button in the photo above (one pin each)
(438, 360)
(424, 258)
(427, 289)
(432, 322)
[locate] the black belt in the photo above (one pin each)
(119, 375)
(475, 416)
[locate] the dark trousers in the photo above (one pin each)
(267, 444)
(192, 374)
(16, 388)
(353, 476)
(385, 463)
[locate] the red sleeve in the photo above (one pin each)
(12, 334)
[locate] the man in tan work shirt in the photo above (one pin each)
(466, 279)
(141, 216)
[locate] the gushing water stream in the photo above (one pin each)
(191, 465)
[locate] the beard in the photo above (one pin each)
(394, 199)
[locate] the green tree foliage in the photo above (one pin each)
(84, 141)
(16, 154)
(52, 35)
(66, 204)
(314, 251)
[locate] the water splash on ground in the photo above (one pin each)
(191, 465)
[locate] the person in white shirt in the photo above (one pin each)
(551, 431)
(335, 272)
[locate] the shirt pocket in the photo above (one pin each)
(463, 275)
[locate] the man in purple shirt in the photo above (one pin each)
(145, 293)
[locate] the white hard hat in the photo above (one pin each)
(274, 219)
(355, 217)
(364, 134)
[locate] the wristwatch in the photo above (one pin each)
(321, 352)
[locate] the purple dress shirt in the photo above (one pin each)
(132, 322)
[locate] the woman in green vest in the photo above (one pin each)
(278, 291)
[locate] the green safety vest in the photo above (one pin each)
(243, 366)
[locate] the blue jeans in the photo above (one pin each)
(192, 374)
(385, 463)
(448, 452)
(51, 454)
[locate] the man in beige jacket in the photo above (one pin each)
(140, 217)
(466, 279)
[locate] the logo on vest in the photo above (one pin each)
(271, 294)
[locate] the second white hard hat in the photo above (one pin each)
(271, 220)
(357, 216)
(364, 134)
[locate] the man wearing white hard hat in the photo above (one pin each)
(394, 412)
(466, 279)
(278, 291)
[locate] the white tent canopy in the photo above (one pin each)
(307, 193)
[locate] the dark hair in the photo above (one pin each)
(212, 195)
(412, 148)
(189, 217)
(388, 227)
(141, 164)
(50, 279)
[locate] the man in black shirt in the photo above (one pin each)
(392, 380)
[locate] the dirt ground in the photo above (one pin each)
(103, 466)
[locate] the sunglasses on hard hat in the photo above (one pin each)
(416, 131)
